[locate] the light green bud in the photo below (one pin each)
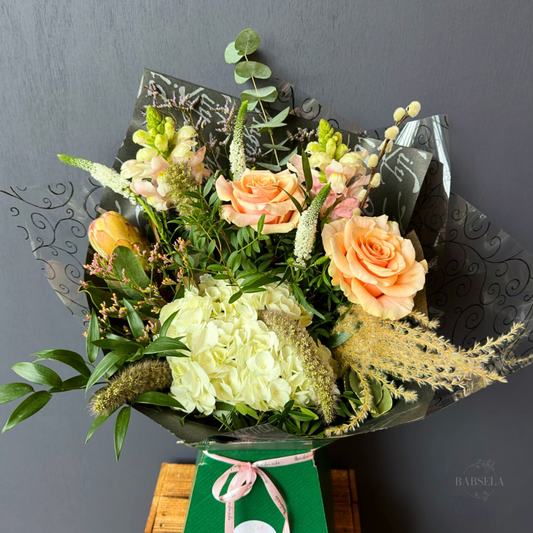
(153, 117)
(331, 147)
(325, 131)
(169, 129)
(141, 137)
(161, 143)
(313, 147)
(341, 150)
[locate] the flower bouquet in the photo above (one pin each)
(261, 281)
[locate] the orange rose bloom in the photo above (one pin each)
(260, 192)
(373, 265)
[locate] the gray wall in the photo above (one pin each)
(69, 73)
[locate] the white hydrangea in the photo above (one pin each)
(234, 357)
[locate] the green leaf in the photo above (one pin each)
(77, 382)
(134, 320)
(294, 200)
(238, 79)
(252, 69)
(93, 334)
(266, 94)
(14, 391)
(72, 359)
(97, 422)
(235, 297)
(278, 147)
(339, 338)
(261, 224)
(37, 374)
(118, 345)
(158, 398)
(268, 166)
(121, 427)
(307, 172)
(384, 405)
(165, 344)
(287, 158)
(109, 361)
(27, 408)
(127, 261)
(231, 55)
(168, 322)
(275, 122)
(300, 298)
(247, 42)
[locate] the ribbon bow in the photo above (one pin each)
(243, 482)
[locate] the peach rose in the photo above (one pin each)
(260, 192)
(373, 265)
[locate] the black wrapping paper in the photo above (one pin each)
(479, 283)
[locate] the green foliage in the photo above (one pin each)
(67, 357)
(247, 42)
(37, 373)
(97, 422)
(231, 55)
(266, 94)
(27, 408)
(14, 391)
(121, 427)
(112, 359)
(252, 69)
(158, 398)
(93, 334)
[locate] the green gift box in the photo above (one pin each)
(301, 485)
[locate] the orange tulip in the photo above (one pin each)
(111, 230)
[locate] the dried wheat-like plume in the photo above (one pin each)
(318, 371)
(145, 376)
(410, 351)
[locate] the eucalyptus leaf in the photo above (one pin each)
(238, 79)
(247, 42)
(287, 158)
(27, 408)
(268, 166)
(252, 69)
(265, 94)
(14, 391)
(37, 374)
(274, 122)
(231, 55)
(121, 428)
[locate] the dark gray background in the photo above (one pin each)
(69, 74)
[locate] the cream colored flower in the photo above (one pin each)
(234, 357)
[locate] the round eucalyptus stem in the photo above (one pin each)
(264, 114)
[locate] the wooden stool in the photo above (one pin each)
(171, 500)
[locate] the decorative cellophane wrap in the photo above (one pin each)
(479, 282)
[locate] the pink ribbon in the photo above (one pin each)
(243, 482)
